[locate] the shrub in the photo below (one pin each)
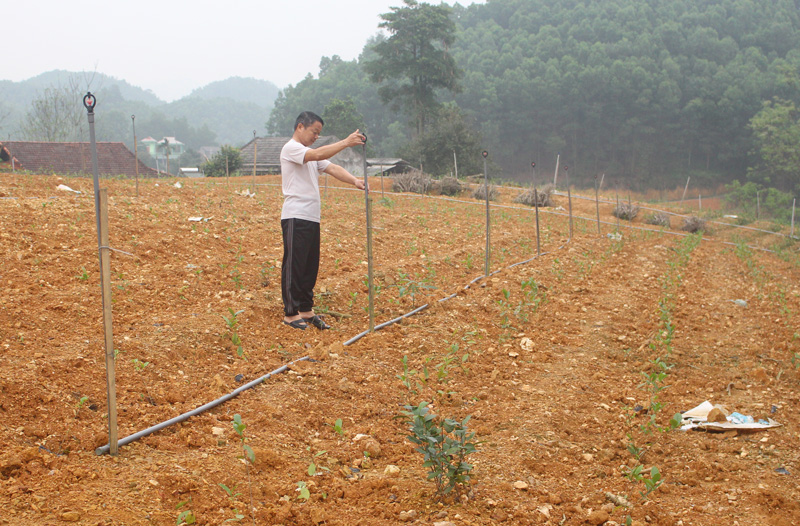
(694, 224)
(414, 181)
(657, 218)
(450, 186)
(625, 211)
(543, 195)
(480, 192)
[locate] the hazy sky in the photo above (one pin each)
(174, 46)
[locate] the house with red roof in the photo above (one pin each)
(72, 158)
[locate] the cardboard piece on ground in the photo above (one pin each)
(696, 418)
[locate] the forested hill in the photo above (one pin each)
(646, 90)
(640, 88)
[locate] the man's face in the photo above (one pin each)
(307, 136)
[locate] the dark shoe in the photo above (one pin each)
(317, 322)
(296, 324)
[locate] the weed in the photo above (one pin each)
(444, 444)
(313, 467)
(337, 427)
(84, 275)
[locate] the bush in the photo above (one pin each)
(414, 181)
(543, 195)
(625, 211)
(480, 192)
(450, 186)
(694, 224)
(216, 166)
(657, 218)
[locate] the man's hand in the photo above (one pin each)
(359, 183)
(355, 139)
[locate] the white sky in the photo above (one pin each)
(174, 46)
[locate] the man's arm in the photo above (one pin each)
(344, 176)
(329, 150)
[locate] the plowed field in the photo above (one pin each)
(557, 361)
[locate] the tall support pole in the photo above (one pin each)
(794, 202)
(602, 178)
(488, 222)
(555, 175)
(101, 213)
(166, 145)
(455, 163)
(135, 153)
(597, 204)
(383, 196)
(758, 205)
(368, 209)
(699, 203)
(618, 211)
(536, 205)
(255, 160)
(569, 201)
(685, 189)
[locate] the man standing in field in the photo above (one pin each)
(300, 217)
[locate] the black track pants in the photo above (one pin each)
(300, 265)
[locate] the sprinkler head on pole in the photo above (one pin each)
(485, 154)
(89, 101)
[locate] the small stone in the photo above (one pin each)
(217, 431)
(598, 517)
(372, 447)
(526, 344)
(70, 516)
(588, 457)
(444, 523)
(521, 484)
(391, 471)
(716, 415)
(408, 516)
(499, 515)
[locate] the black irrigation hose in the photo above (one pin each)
(185, 416)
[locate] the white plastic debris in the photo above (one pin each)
(178, 185)
(697, 418)
(198, 219)
(740, 303)
(66, 188)
(246, 193)
(616, 236)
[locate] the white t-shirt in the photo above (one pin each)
(300, 183)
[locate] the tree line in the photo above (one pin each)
(648, 91)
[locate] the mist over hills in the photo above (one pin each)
(222, 112)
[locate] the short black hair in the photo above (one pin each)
(307, 118)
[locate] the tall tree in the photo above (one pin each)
(776, 132)
(342, 118)
(56, 115)
(414, 61)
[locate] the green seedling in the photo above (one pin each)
(81, 402)
(139, 365)
(313, 467)
(337, 427)
(444, 445)
(303, 489)
(84, 275)
(186, 516)
(233, 330)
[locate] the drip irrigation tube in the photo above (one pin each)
(185, 416)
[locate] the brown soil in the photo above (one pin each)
(553, 415)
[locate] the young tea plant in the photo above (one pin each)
(444, 445)
(233, 330)
(249, 457)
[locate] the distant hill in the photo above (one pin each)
(260, 92)
(222, 112)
